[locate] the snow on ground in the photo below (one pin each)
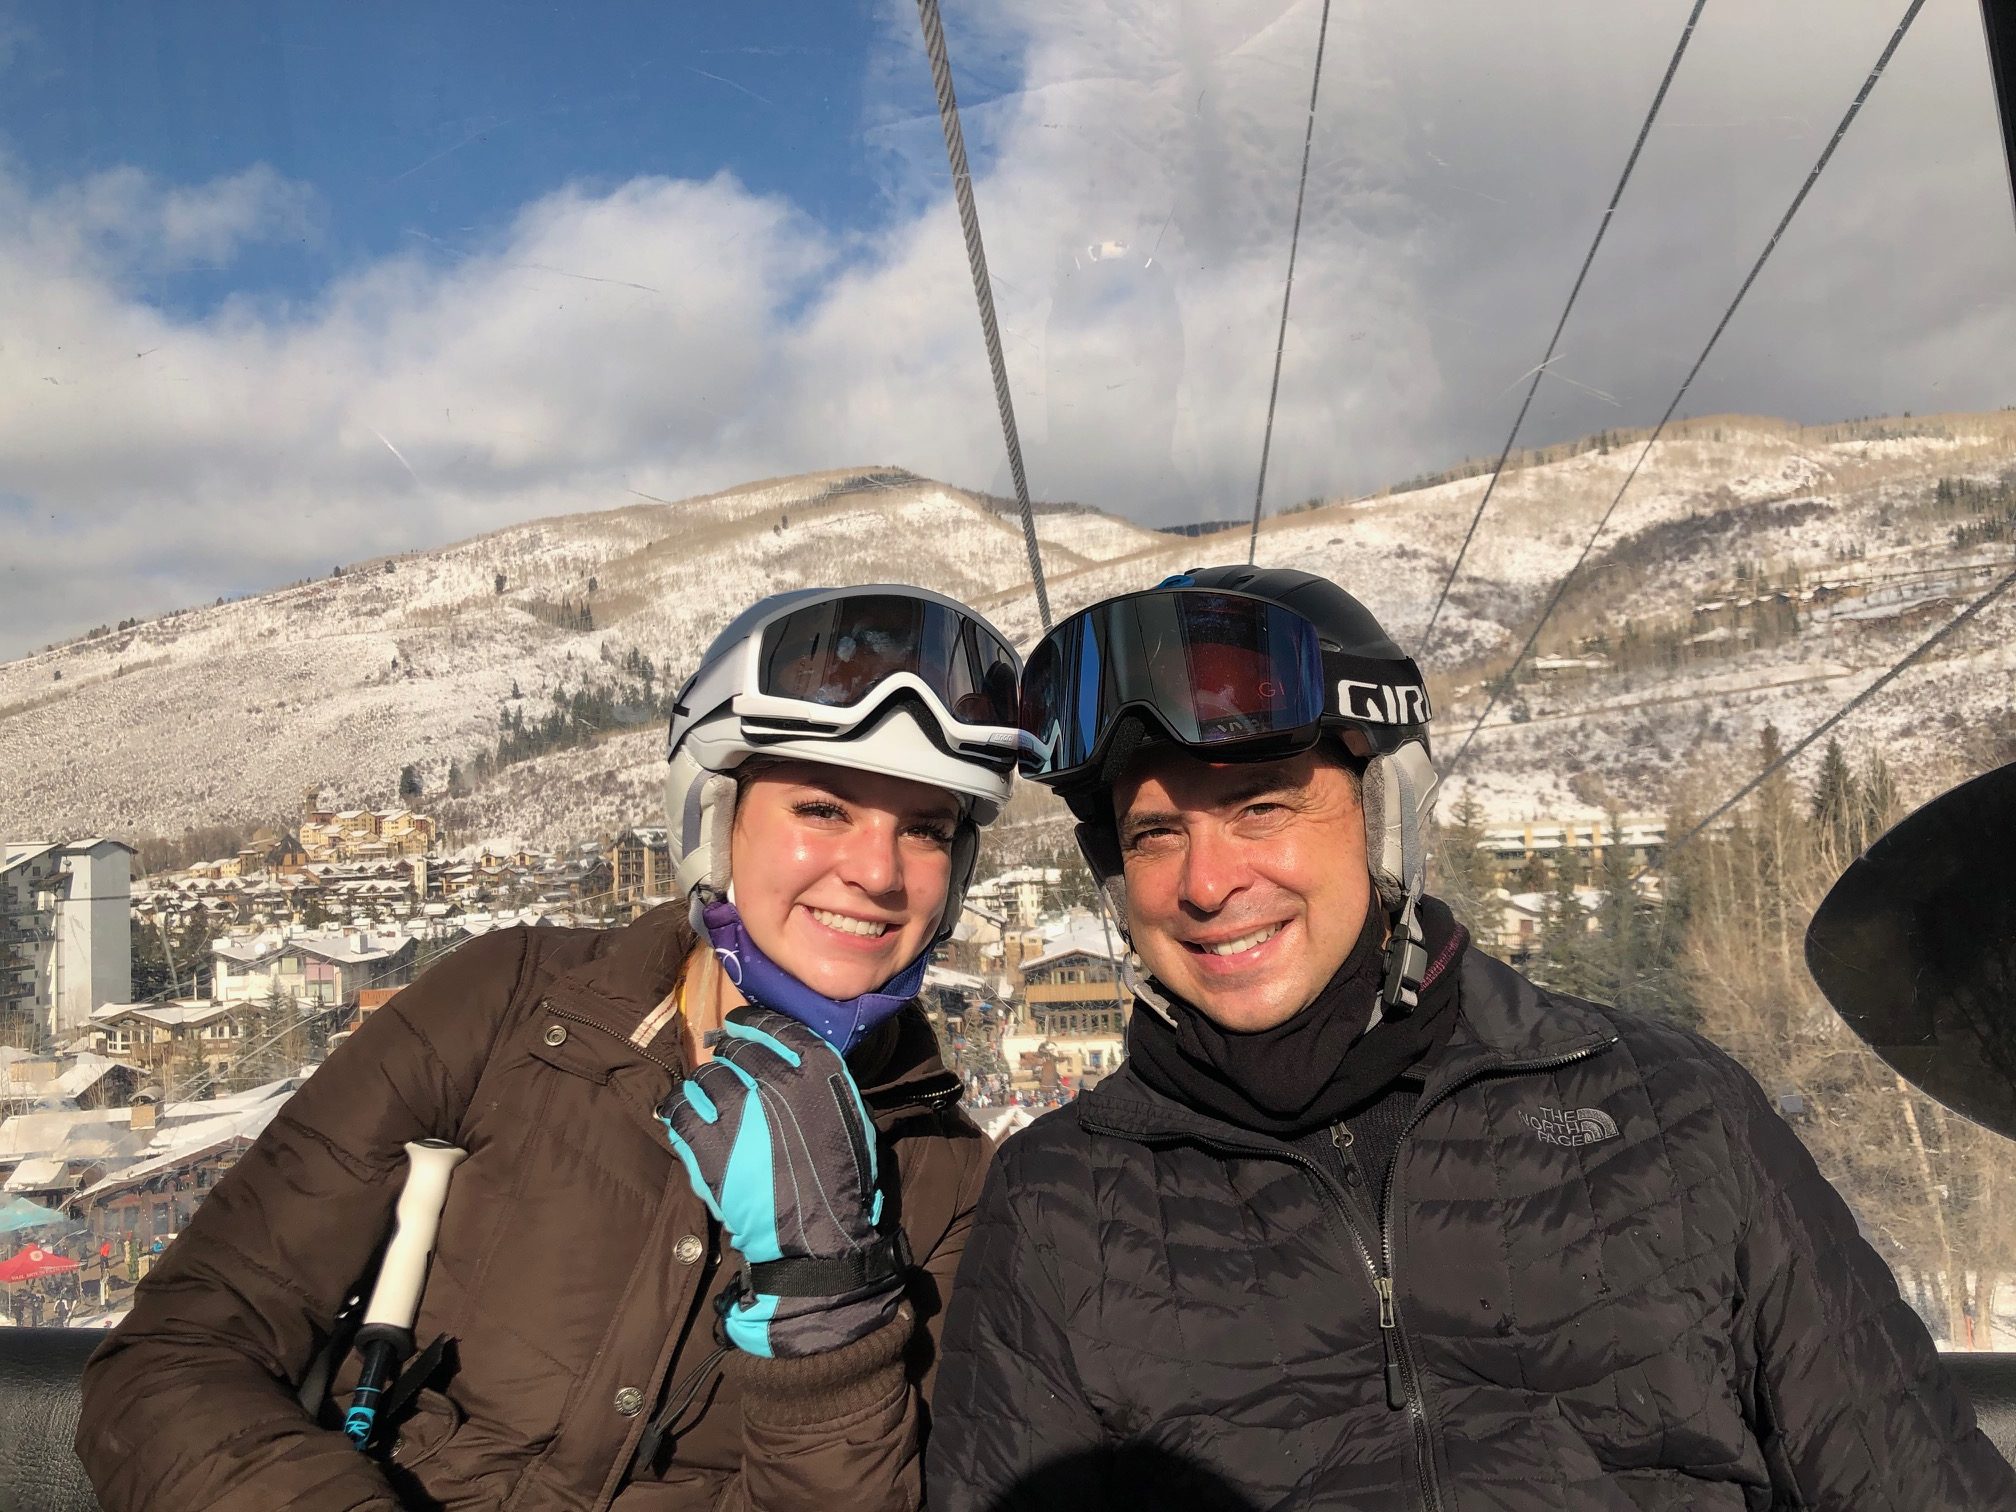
(233, 711)
(1096, 537)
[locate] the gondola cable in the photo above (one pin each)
(1504, 681)
(1897, 669)
(1554, 341)
(1288, 288)
(983, 288)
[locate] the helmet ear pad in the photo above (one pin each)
(700, 817)
(1398, 791)
(1099, 844)
(965, 856)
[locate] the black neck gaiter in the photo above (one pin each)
(1312, 1069)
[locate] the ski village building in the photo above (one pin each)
(320, 968)
(65, 945)
(121, 1115)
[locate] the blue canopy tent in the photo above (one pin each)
(19, 1213)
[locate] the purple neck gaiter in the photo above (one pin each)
(762, 980)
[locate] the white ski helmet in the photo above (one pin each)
(882, 678)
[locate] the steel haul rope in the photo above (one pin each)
(1770, 246)
(1288, 288)
(1965, 616)
(983, 288)
(1602, 229)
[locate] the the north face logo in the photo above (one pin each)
(1572, 1126)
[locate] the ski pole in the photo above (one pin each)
(386, 1337)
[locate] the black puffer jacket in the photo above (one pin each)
(1618, 1282)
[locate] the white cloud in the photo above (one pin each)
(674, 336)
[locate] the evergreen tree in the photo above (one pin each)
(1619, 923)
(409, 781)
(311, 909)
(1534, 874)
(1464, 872)
(1778, 842)
(151, 975)
(1568, 957)
(1882, 806)
(458, 785)
(262, 1047)
(1838, 812)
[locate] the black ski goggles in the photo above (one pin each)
(835, 652)
(1237, 677)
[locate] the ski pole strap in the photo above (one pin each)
(424, 1367)
(887, 1259)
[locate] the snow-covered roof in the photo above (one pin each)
(86, 1072)
(999, 1125)
(21, 855)
(71, 1133)
(172, 1147)
(344, 948)
(957, 981)
(1016, 876)
(37, 1174)
(45, 1130)
(236, 1102)
(176, 1015)
(1078, 935)
(485, 923)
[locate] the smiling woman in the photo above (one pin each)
(824, 830)
(842, 876)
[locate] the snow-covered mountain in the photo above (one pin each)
(1754, 571)
(232, 712)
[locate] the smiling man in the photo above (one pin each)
(1367, 1221)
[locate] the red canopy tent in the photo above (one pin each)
(32, 1261)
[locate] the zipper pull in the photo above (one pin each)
(1396, 1387)
(1341, 1140)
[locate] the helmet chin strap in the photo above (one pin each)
(1407, 952)
(840, 1022)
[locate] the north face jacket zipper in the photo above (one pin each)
(1394, 1346)
(1336, 1202)
(1416, 1400)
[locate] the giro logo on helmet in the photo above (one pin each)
(1382, 703)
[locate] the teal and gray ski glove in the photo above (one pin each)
(777, 1142)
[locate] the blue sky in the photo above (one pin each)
(435, 123)
(291, 284)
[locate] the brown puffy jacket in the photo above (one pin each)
(575, 1270)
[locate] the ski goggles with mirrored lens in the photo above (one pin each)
(1238, 677)
(826, 666)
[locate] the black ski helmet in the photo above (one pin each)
(1129, 672)
(1345, 625)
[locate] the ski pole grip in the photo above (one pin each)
(395, 1298)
